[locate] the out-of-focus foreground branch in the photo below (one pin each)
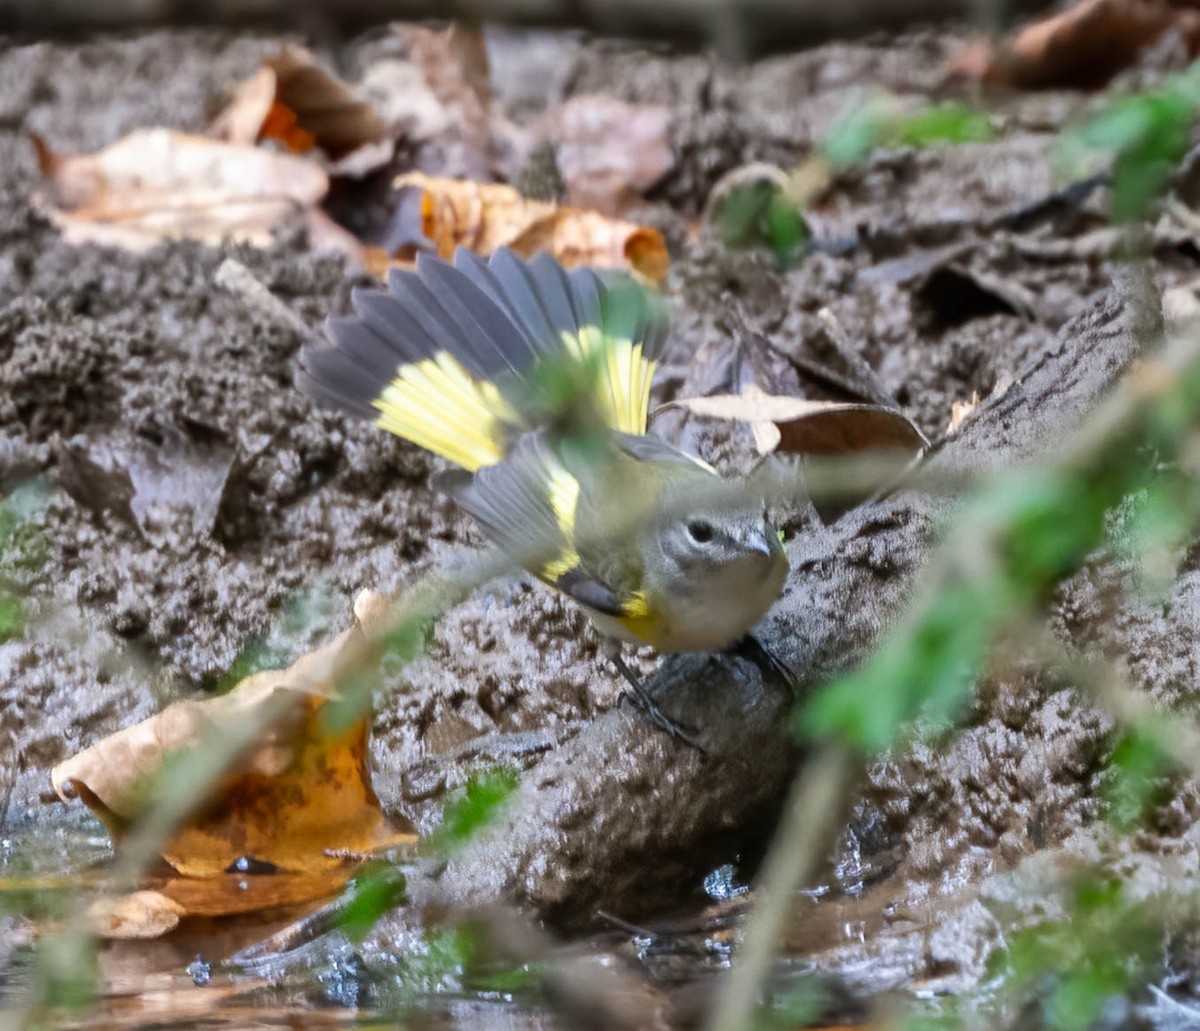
(740, 28)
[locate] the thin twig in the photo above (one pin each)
(813, 812)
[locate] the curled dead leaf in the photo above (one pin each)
(155, 185)
(796, 426)
(484, 216)
(292, 98)
(1083, 45)
(300, 791)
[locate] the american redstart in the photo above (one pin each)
(535, 382)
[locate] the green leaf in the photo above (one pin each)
(378, 888)
(760, 214)
(1146, 135)
(857, 132)
(12, 617)
(943, 123)
(474, 808)
(1136, 769)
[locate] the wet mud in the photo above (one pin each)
(195, 507)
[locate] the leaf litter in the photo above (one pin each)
(268, 157)
(295, 803)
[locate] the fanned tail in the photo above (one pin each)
(463, 359)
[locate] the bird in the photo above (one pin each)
(533, 382)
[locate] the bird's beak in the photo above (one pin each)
(762, 544)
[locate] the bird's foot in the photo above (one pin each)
(764, 658)
(639, 697)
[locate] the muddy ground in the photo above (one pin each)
(254, 518)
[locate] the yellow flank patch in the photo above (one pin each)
(560, 566)
(438, 406)
(563, 490)
(640, 619)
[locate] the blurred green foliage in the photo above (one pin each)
(451, 959)
(800, 1005)
(768, 213)
(473, 808)
(1084, 967)
(302, 617)
(22, 551)
(876, 120)
(761, 214)
(1136, 775)
(1063, 972)
(1143, 135)
(1013, 539)
(65, 967)
(1124, 486)
(375, 889)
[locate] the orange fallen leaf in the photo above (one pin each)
(301, 790)
(796, 426)
(232, 894)
(155, 185)
(484, 216)
(1082, 46)
(292, 98)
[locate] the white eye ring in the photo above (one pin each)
(700, 531)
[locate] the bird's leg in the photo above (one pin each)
(640, 698)
(762, 656)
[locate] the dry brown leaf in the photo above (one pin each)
(156, 185)
(609, 152)
(484, 216)
(797, 426)
(300, 791)
(296, 101)
(1083, 46)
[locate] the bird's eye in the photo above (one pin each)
(700, 531)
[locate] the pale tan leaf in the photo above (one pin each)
(959, 411)
(140, 914)
(809, 427)
(156, 185)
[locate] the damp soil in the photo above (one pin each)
(195, 508)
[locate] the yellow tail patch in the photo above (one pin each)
(623, 378)
(437, 405)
